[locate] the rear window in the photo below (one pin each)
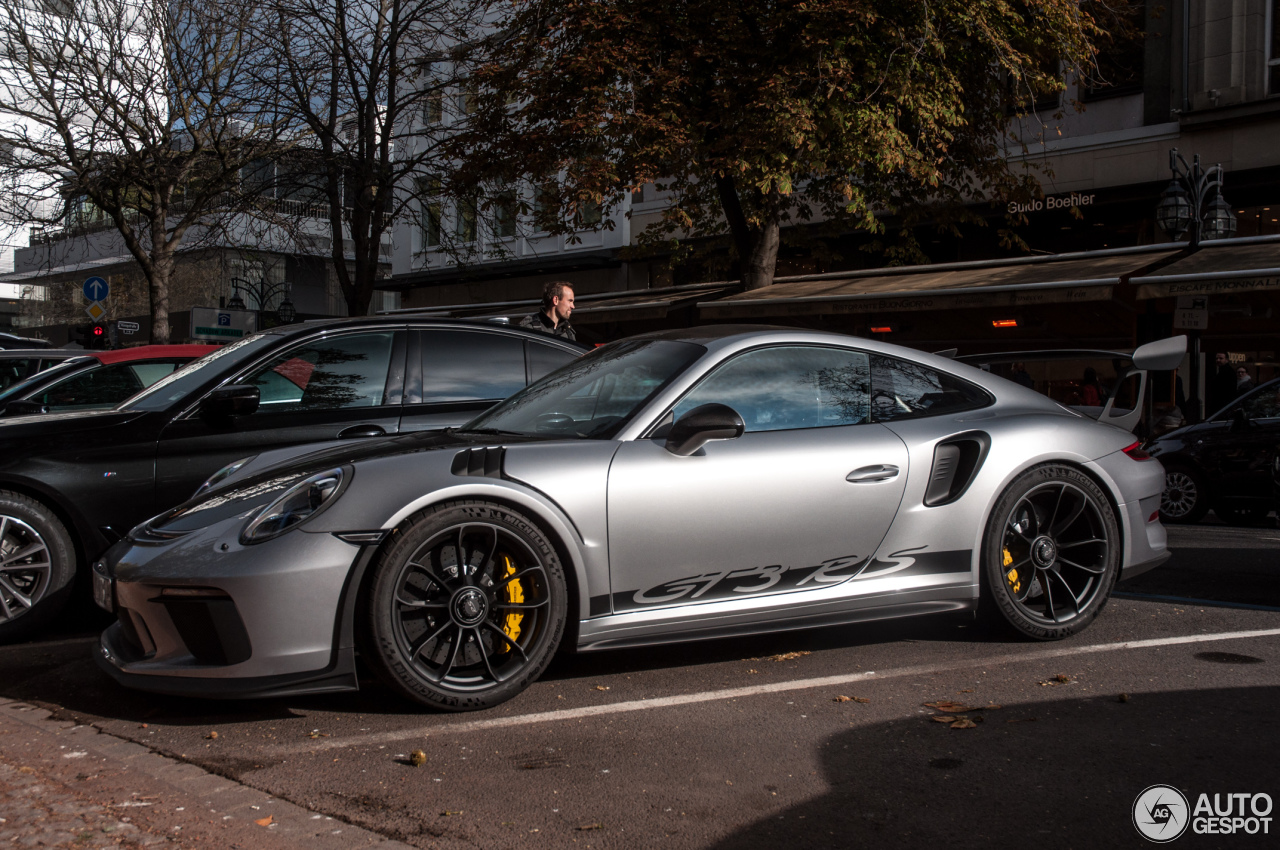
(470, 365)
(901, 389)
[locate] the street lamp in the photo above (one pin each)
(263, 292)
(1192, 202)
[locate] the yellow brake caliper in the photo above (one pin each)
(515, 594)
(1012, 576)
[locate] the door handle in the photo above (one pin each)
(356, 431)
(876, 472)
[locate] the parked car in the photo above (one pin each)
(8, 340)
(688, 484)
(72, 483)
(96, 380)
(18, 364)
(1224, 463)
(1119, 386)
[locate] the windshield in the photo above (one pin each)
(66, 367)
(594, 396)
(196, 374)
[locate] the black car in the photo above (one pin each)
(1224, 463)
(20, 364)
(73, 483)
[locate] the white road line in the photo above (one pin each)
(447, 728)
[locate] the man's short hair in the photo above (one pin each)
(554, 289)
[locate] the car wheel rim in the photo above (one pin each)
(470, 605)
(25, 568)
(1055, 550)
(1180, 495)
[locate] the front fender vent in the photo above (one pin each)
(484, 462)
(956, 461)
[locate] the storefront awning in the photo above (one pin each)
(1218, 267)
(595, 308)
(1062, 278)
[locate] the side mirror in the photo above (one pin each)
(1240, 420)
(24, 407)
(231, 400)
(706, 422)
(1161, 355)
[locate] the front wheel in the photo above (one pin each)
(1185, 498)
(1051, 553)
(466, 608)
(37, 565)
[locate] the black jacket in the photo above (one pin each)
(539, 321)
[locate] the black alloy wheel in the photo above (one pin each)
(1052, 552)
(467, 608)
(37, 565)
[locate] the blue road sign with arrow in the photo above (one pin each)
(96, 289)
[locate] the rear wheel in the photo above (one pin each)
(467, 608)
(1051, 553)
(1185, 498)
(37, 565)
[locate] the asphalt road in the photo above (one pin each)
(807, 739)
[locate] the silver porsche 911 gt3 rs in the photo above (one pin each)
(680, 485)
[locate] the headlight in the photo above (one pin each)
(221, 475)
(295, 506)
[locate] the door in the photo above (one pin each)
(800, 501)
(455, 375)
(1239, 456)
(344, 386)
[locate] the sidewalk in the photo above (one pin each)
(69, 786)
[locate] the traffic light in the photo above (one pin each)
(99, 336)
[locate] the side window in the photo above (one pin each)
(12, 371)
(901, 389)
(103, 387)
(544, 359)
(1263, 403)
(775, 389)
(149, 373)
(326, 374)
(470, 365)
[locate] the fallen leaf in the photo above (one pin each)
(267, 821)
(446, 814)
(212, 736)
(417, 758)
(964, 723)
(25, 769)
(753, 671)
(965, 691)
(944, 718)
(948, 705)
(1123, 698)
(787, 656)
(861, 699)
(143, 725)
(843, 699)
(992, 707)
(728, 782)
(588, 826)
(318, 735)
(602, 687)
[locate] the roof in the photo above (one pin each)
(150, 352)
(1061, 278)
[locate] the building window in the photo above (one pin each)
(589, 215)
(1119, 63)
(432, 211)
(504, 215)
(433, 108)
(464, 223)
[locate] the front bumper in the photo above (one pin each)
(204, 615)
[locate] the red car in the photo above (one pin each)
(98, 379)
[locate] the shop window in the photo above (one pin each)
(1258, 221)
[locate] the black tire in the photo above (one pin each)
(470, 638)
(1243, 515)
(1028, 582)
(37, 565)
(1186, 496)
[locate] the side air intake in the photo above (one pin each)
(956, 462)
(483, 462)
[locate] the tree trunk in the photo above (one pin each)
(762, 262)
(158, 285)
